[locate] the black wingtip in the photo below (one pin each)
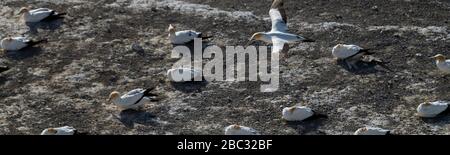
(148, 93)
(309, 40)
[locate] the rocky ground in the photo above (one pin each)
(67, 81)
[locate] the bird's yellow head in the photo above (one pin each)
(236, 127)
(52, 131)
(171, 28)
(114, 95)
(256, 36)
(439, 57)
(24, 10)
(292, 109)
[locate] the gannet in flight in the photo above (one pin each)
(372, 131)
(18, 43)
(133, 99)
(240, 130)
(184, 37)
(279, 35)
(66, 130)
(442, 64)
(299, 113)
(183, 75)
(30, 15)
(431, 109)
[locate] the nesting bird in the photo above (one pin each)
(298, 113)
(30, 15)
(18, 43)
(351, 54)
(240, 130)
(133, 99)
(342, 51)
(66, 130)
(371, 131)
(184, 37)
(442, 64)
(432, 109)
(184, 75)
(279, 35)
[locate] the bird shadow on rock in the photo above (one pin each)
(131, 117)
(24, 53)
(359, 67)
(190, 86)
(308, 126)
(46, 25)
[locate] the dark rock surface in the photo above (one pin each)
(91, 53)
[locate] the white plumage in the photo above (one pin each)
(15, 43)
(279, 34)
(182, 37)
(342, 51)
(131, 100)
(184, 75)
(431, 109)
(442, 64)
(36, 15)
(66, 130)
(371, 131)
(297, 113)
(240, 130)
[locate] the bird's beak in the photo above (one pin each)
(249, 42)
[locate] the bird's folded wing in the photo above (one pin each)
(21, 39)
(41, 14)
(135, 92)
(40, 9)
(278, 17)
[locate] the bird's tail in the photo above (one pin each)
(147, 93)
(367, 51)
(32, 42)
(55, 16)
(204, 37)
(60, 14)
(308, 40)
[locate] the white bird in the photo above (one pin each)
(279, 34)
(240, 130)
(297, 113)
(66, 130)
(431, 109)
(442, 64)
(133, 99)
(371, 131)
(342, 51)
(184, 37)
(18, 43)
(38, 15)
(184, 75)
(351, 54)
